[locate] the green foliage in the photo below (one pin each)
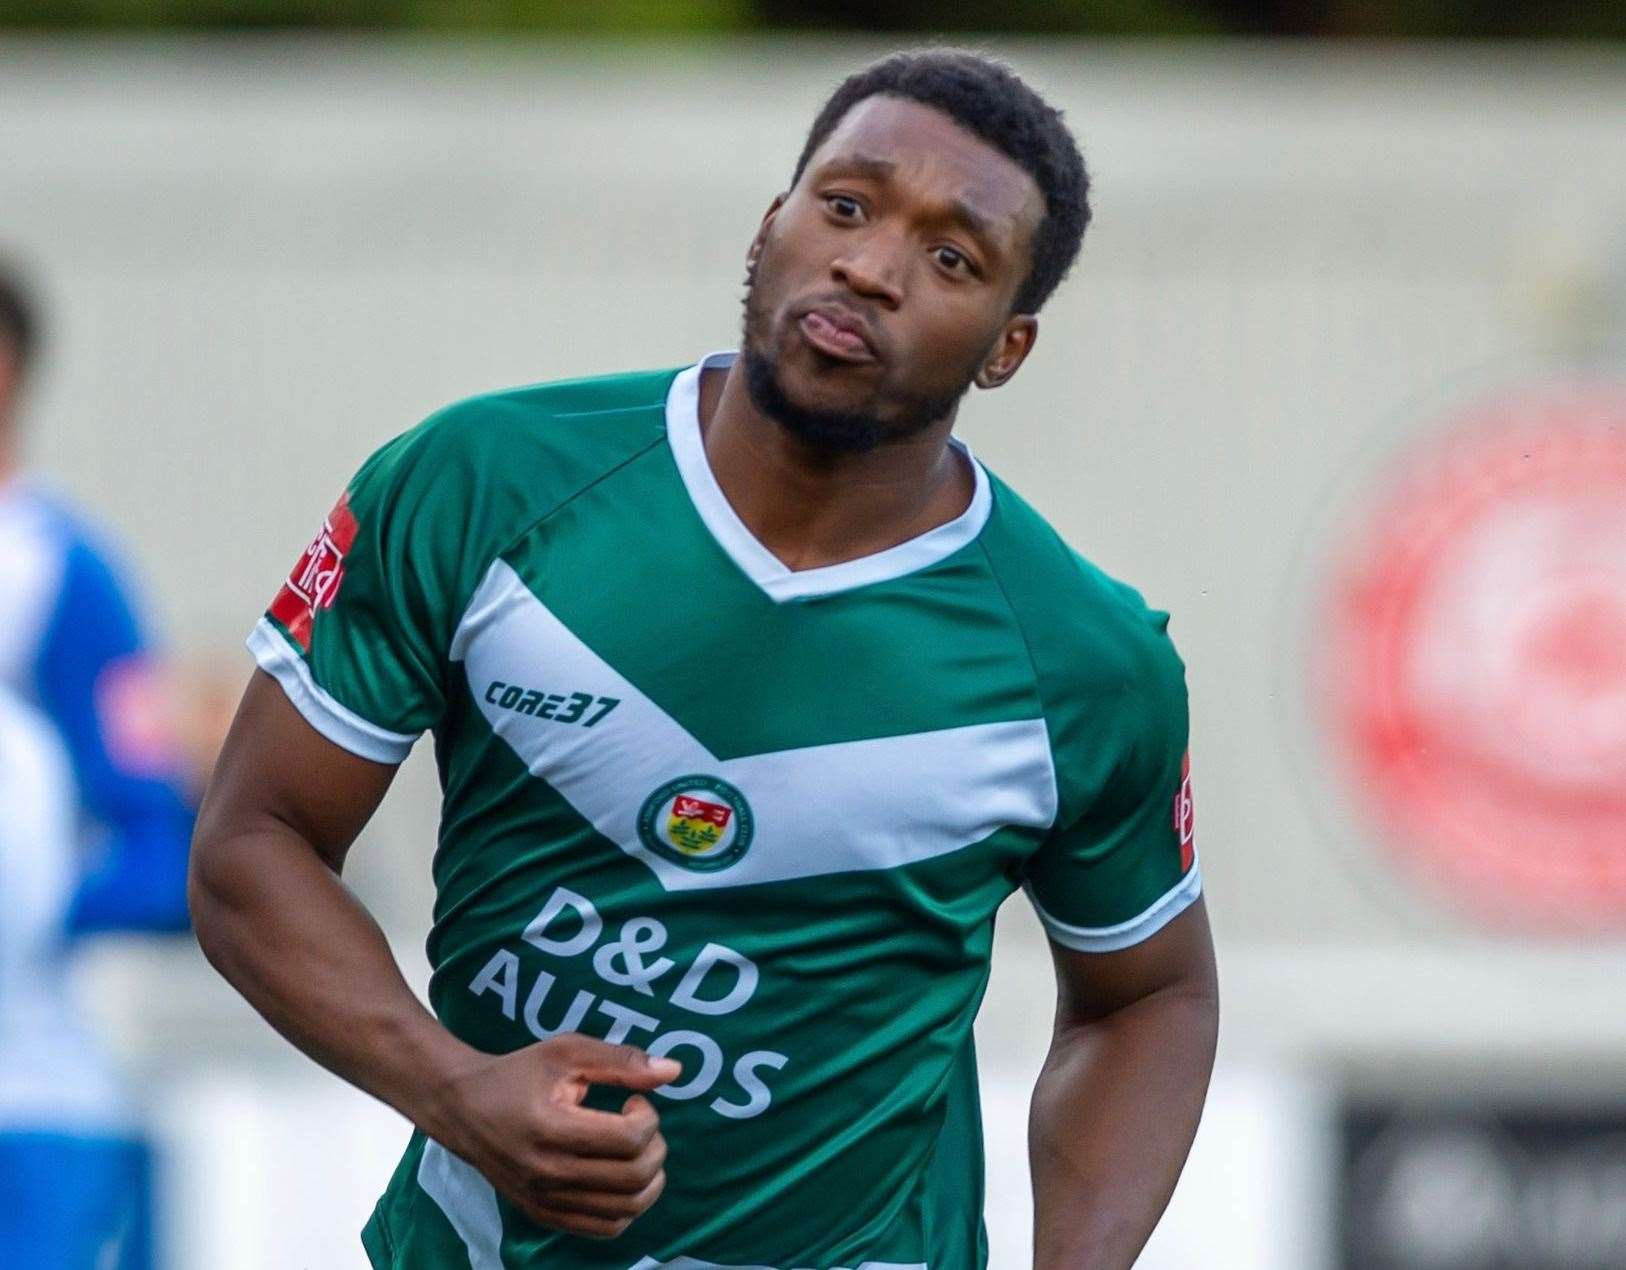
(1578, 19)
(542, 17)
(1032, 17)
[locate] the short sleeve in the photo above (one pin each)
(358, 634)
(1126, 865)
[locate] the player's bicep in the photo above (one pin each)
(1179, 958)
(277, 770)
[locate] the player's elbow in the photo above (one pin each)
(213, 885)
(203, 893)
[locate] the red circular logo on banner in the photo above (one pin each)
(1474, 666)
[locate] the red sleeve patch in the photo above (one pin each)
(1185, 816)
(314, 581)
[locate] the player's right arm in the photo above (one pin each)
(355, 663)
(275, 918)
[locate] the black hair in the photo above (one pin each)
(19, 316)
(987, 98)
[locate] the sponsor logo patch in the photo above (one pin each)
(314, 581)
(700, 822)
(1185, 816)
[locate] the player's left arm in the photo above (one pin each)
(1118, 886)
(1118, 1100)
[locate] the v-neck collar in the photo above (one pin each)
(771, 574)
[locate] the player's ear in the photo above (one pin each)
(1010, 350)
(761, 236)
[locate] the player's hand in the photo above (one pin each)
(518, 1119)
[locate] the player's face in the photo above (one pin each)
(881, 285)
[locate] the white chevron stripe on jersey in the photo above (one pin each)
(920, 795)
(469, 1202)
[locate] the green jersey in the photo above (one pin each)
(754, 819)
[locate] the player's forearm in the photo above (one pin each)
(1113, 1116)
(287, 933)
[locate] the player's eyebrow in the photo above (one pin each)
(977, 222)
(866, 165)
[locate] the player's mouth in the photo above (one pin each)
(838, 333)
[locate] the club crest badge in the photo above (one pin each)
(700, 822)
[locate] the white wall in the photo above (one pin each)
(265, 259)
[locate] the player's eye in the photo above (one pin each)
(844, 207)
(954, 260)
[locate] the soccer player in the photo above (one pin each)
(72, 1169)
(754, 695)
(95, 824)
(72, 648)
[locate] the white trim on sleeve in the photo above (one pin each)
(337, 722)
(1101, 939)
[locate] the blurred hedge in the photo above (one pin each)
(1578, 19)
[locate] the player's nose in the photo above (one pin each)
(872, 268)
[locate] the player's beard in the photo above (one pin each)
(853, 431)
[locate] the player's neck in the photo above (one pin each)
(812, 507)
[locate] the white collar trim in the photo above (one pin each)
(780, 582)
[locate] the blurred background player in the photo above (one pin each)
(71, 646)
(95, 823)
(73, 1170)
